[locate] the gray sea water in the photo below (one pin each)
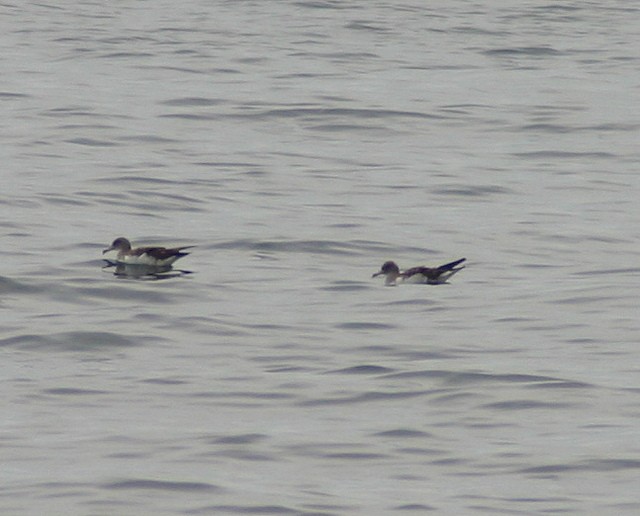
(298, 145)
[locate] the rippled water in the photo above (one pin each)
(298, 145)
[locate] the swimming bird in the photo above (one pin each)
(150, 256)
(429, 275)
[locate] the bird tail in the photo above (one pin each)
(451, 265)
(180, 250)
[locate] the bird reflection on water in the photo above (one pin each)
(144, 272)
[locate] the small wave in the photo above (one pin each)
(291, 246)
(554, 154)
(91, 142)
(70, 391)
(365, 326)
(459, 378)
(534, 51)
(403, 433)
(341, 113)
(346, 286)
(244, 509)
(363, 369)
(597, 465)
(527, 405)
(162, 485)
(472, 191)
(70, 341)
(242, 439)
(191, 101)
(11, 286)
(366, 397)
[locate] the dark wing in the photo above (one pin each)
(432, 273)
(428, 272)
(448, 266)
(161, 253)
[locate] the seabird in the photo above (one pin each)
(153, 256)
(429, 275)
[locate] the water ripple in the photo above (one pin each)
(161, 485)
(72, 341)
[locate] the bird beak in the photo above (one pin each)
(107, 250)
(377, 274)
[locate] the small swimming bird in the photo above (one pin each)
(429, 275)
(153, 256)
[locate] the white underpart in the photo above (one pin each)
(416, 278)
(145, 259)
(445, 276)
(390, 279)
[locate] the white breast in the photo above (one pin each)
(145, 259)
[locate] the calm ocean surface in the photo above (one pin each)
(298, 145)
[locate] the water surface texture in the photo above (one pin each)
(299, 145)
